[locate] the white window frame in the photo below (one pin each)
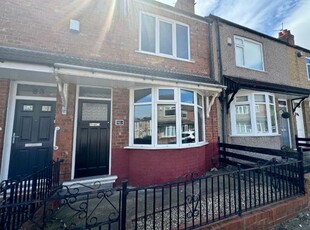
(243, 47)
(252, 104)
(307, 68)
(159, 19)
(154, 122)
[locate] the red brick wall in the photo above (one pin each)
(105, 31)
(4, 94)
(65, 134)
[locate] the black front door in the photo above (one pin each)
(93, 138)
(32, 140)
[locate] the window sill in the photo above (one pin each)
(185, 146)
(256, 135)
(256, 70)
(164, 56)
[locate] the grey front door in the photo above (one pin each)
(285, 127)
(93, 138)
(32, 140)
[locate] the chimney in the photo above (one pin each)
(286, 36)
(186, 5)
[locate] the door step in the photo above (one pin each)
(97, 182)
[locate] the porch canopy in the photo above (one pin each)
(44, 66)
(234, 84)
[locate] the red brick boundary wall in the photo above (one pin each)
(268, 216)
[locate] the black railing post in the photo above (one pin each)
(124, 205)
(34, 190)
(239, 191)
(301, 170)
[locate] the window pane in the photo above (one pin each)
(242, 99)
(261, 119)
(147, 33)
(260, 98)
(142, 124)
(239, 41)
(166, 127)
(239, 56)
(200, 125)
(182, 41)
(253, 55)
(188, 124)
(273, 119)
(243, 119)
(94, 92)
(199, 99)
(271, 100)
(165, 40)
(36, 90)
(94, 112)
(166, 94)
(187, 96)
(308, 68)
(143, 95)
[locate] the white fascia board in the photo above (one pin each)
(76, 71)
(26, 67)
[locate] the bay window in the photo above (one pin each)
(253, 114)
(167, 117)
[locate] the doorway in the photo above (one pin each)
(299, 121)
(32, 139)
(93, 138)
(285, 124)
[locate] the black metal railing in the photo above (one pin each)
(181, 204)
(193, 203)
(20, 198)
(186, 203)
(302, 142)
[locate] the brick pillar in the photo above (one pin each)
(65, 134)
(4, 94)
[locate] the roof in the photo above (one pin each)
(211, 16)
(50, 59)
(235, 83)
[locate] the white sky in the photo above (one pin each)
(265, 16)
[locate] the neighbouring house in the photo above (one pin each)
(118, 89)
(265, 77)
(299, 72)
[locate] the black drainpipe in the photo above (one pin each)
(223, 97)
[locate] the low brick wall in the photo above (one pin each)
(267, 216)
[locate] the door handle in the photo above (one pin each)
(14, 137)
(55, 147)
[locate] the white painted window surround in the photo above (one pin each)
(249, 53)
(157, 120)
(164, 37)
(308, 67)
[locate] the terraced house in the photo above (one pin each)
(118, 89)
(266, 102)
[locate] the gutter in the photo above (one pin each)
(142, 76)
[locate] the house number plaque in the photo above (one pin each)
(119, 122)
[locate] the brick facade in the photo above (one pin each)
(106, 31)
(4, 94)
(109, 32)
(299, 78)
